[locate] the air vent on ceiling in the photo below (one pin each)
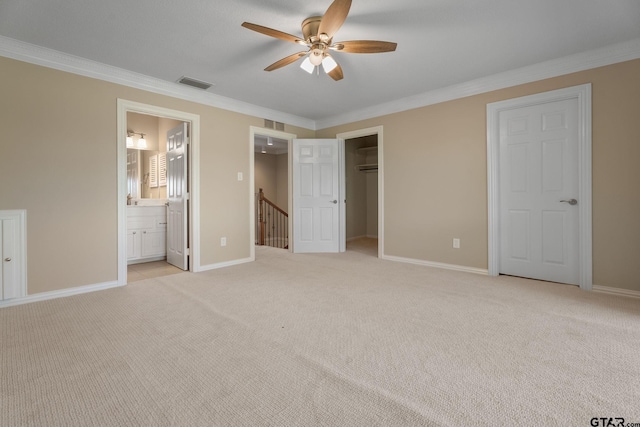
(194, 83)
(270, 124)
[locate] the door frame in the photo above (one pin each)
(253, 131)
(583, 95)
(193, 176)
(342, 137)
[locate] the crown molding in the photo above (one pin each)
(38, 55)
(607, 55)
(50, 58)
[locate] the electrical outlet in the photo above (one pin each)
(456, 243)
(240, 177)
(223, 241)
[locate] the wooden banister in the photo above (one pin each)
(273, 225)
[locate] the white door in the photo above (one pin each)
(539, 233)
(177, 240)
(12, 255)
(316, 195)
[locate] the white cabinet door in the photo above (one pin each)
(154, 243)
(134, 246)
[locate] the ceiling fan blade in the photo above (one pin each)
(334, 17)
(273, 33)
(336, 74)
(365, 46)
(285, 61)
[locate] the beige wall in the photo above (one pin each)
(59, 152)
(265, 175)
(435, 175)
(147, 125)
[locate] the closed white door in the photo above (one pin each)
(177, 240)
(316, 195)
(12, 255)
(539, 230)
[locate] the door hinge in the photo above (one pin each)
(187, 196)
(188, 251)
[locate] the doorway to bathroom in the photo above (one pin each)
(157, 151)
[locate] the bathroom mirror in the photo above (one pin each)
(146, 174)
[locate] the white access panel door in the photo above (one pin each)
(539, 235)
(316, 212)
(177, 237)
(12, 255)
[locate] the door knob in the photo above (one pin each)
(335, 202)
(570, 201)
(7, 259)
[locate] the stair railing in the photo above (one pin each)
(273, 224)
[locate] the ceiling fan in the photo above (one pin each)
(317, 36)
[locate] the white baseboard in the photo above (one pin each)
(44, 296)
(225, 264)
(616, 291)
(437, 265)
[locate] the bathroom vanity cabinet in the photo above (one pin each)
(146, 233)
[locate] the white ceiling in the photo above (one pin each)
(268, 145)
(441, 43)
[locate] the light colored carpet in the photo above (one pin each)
(327, 340)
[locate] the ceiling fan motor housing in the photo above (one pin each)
(310, 29)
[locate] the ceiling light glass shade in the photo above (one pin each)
(307, 65)
(129, 141)
(328, 63)
(142, 143)
(264, 151)
(269, 141)
(316, 57)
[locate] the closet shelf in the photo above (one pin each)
(368, 150)
(371, 167)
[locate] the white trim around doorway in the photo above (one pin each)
(583, 95)
(123, 107)
(377, 130)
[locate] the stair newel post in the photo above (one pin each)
(261, 218)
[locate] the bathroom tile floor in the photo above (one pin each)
(149, 270)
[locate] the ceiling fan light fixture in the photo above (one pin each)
(307, 65)
(316, 56)
(328, 63)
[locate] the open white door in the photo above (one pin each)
(177, 242)
(316, 195)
